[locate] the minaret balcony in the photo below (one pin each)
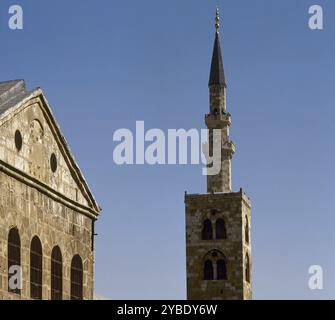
(229, 147)
(218, 120)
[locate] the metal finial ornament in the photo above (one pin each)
(217, 19)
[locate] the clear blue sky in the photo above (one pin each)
(105, 64)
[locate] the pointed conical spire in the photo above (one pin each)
(217, 76)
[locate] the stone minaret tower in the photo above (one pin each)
(218, 235)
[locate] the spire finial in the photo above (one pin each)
(217, 20)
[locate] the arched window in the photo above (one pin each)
(76, 278)
(247, 240)
(208, 270)
(247, 268)
(14, 261)
(36, 270)
(221, 232)
(56, 274)
(207, 231)
(221, 269)
(216, 261)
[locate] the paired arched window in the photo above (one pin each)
(207, 231)
(14, 261)
(208, 270)
(215, 266)
(247, 268)
(220, 230)
(221, 269)
(247, 230)
(76, 278)
(36, 269)
(56, 274)
(220, 227)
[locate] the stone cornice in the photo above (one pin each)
(46, 190)
(233, 195)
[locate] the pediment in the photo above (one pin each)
(32, 143)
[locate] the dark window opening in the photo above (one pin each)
(76, 278)
(247, 268)
(221, 270)
(207, 231)
(56, 274)
(221, 232)
(208, 270)
(53, 163)
(14, 260)
(36, 261)
(18, 140)
(247, 239)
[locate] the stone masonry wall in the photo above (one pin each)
(233, 208)
(38, 144)
(40, 201)
(35, 214)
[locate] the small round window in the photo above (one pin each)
(18, 140)
(53, 162)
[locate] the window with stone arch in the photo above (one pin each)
(56, 274)
(215, 266)
(247, 268)
(77, 278)
(247, 230)
(14, 261)
(207, 230)
(221, 232)
(36, 269)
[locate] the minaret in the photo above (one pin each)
(218, 233)
(218, 118)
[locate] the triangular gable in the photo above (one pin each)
(16, 113)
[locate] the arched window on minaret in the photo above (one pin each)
(215, 265)
(247, 268)
(221, 269)
(207, 231)
(208, 270)
(220, 227)
(247, 239)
